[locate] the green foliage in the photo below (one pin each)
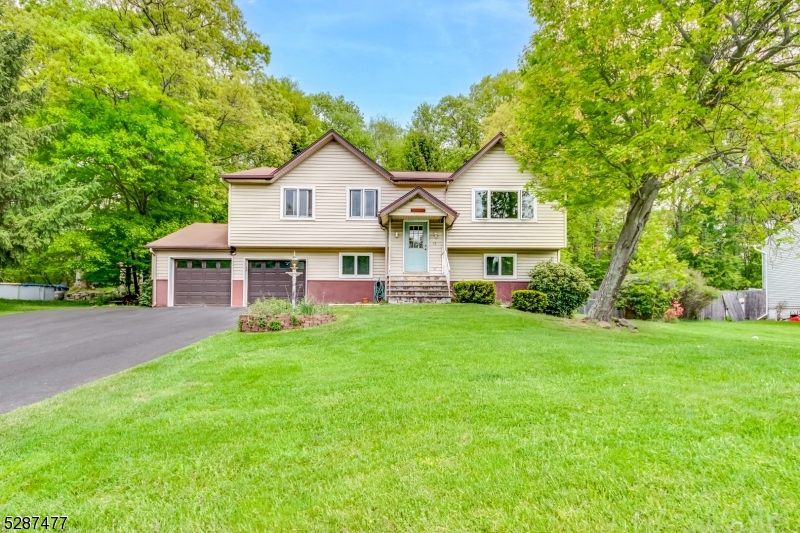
(345, 117)
(567, 287)
(275, 325)
(35, 203)
(530, 301)
(269, 307)
(693, 293)
(146, 294)
(295, 320)
(475, 292)
(644, 298)
(654, 252)
(692, 94)
(387, 141)
(262, 323)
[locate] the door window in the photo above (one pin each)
(415, 237)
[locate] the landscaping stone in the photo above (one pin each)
(605, 325)
(260, 324)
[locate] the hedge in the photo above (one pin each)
(475, 292)
(530, 301)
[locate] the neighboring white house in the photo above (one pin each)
(781, 272)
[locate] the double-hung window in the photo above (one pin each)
(352, 265)
(499, 266)
(362, 203)
(298, 203)
(490, 204)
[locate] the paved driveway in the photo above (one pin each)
(47, 352)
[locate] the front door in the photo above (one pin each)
(415, 247)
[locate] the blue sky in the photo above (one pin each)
(390, 56)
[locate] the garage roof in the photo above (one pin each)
(198, 236)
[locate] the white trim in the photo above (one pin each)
(246, 270)
(312, 188)
(377, 203)
(355, 265)
(500, 276)
(427, 245)
(489, 191)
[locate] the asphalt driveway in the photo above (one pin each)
(46, 352)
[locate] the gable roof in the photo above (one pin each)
(197, 236)
(272, 174)
(451, 213)
(498, 139)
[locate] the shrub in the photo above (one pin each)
(270, 307)
(146, 294)
(309, 307)
(296, 321)
(530, 301)
(275, 325)
(674, 312)
(475, 292)
(567, 287)
(694, 294)
(643, 297)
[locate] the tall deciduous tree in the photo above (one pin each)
(621, 100)
(35, 204)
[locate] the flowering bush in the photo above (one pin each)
(673, 313)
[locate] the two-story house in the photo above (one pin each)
(351, 223)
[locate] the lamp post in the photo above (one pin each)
(294, 273)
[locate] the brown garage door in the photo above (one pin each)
(202, 282)
(269, 279)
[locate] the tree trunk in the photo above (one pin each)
(639, 210)
(135, 275)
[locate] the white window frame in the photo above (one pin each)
(377, 202)
(489, 191)
(313, 190)
(500, 255)
(356, 255)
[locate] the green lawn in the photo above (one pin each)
(22, 306)
(427, 418)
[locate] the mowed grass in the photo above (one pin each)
(21, 306)
(427, 418)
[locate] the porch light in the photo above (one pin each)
(233, 250)
(396, 235)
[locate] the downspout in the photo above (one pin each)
(153, 280)
(388, 256)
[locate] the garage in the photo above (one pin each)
(270, 279)
(205, 282)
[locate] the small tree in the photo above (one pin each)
(567, 287)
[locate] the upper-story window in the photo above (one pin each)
(489, 204)
(298, 202)
(362, 203)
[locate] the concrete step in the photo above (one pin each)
(417, 294)
(418, 300)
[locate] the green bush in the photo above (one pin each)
(270, 307)
(567, 287)
(475, 292)
(275, 325)
(644, 298)
(296, 320)
(146, 294)
(530, 301)
(694, 294)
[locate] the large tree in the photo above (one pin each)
(35, 204)
(623, 100)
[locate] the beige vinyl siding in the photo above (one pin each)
(254, 212)
(781, 270)
(435, 245)
(321, 264)
(498, 170)
(163, 263)
(417, 203)
(468, 264)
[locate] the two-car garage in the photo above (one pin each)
(207, 282)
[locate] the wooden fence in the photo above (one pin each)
(738, 305)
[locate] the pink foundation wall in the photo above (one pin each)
(340, 291)
(505, 288)
(162, 288)
(238, 293)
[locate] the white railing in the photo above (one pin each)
(446, 268)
